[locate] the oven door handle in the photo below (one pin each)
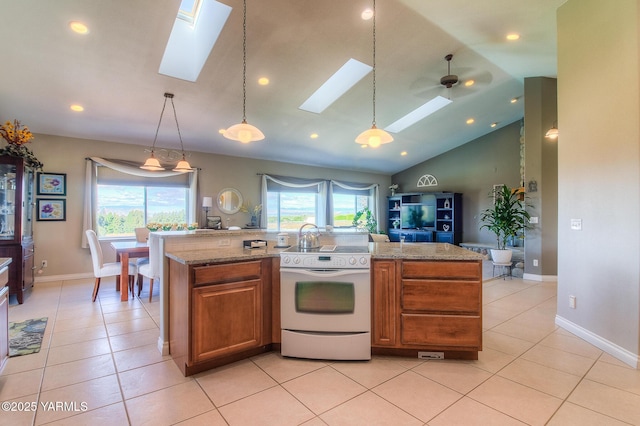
(329, 272)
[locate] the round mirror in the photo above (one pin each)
(229, 200)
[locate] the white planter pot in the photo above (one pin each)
(501, 256)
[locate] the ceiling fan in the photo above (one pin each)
(454, 85)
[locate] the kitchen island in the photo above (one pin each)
(224, 302)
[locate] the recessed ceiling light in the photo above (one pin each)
(78, 27)
(76, 108)
(513, 37)
(494, 124)
(403, 153)
(367, 14)
(471, 121)
(469, 83)
(513, 100)
(263, 81)
(313, 136)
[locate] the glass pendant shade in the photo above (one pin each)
(552, 133)
(183, 166)
(152, 164)
(244, 133)
(374, 137)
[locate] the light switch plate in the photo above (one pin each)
(533, 219)
(576, 224)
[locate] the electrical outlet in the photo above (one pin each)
(572, 302)
(44, 264)
(535, 262)
(222, 242)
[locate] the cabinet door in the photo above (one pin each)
(28, 269)
(226, 318)
(384, 303)
(4, 324)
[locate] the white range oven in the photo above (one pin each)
(325, 302)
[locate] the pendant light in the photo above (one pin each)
(152, 162)
(552, 133)
(374, 137)
(244, 132)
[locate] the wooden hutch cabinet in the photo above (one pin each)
(16, 223)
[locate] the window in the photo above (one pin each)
(122, 208)
(291, 202)
(288, 211)
(345, 207)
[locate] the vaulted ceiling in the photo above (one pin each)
(113, 72)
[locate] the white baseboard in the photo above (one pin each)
(163, 346)
(612, 349)
(66, 277)
(536, 277)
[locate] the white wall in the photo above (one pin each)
(599, 173)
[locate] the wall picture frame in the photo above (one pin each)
(50, 209)
(52, 184)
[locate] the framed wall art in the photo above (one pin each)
(52, 184)
(51, 209)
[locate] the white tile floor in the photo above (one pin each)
(104, 355)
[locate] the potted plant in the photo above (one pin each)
(507, 218)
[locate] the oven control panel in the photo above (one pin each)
(328, 261)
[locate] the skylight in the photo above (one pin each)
(192, 40)
(337, 85)
(418, 114)
(189, 10)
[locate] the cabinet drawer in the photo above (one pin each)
(441, 296)
(226, 273)
(442, 330)
(442, 269)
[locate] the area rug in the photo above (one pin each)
(26, 337)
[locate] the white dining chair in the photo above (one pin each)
(151, 269)
(109, 269)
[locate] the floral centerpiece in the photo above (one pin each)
(393, 189)
(253, 211)
(17, 136)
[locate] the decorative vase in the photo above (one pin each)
(254, 221)
(393, 192)
(447, 204)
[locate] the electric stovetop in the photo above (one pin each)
(330, 249)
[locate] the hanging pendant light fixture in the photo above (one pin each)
(152, 162)
(552, 133)
(374, 137)
(244, 132)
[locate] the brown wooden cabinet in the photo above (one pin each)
(16, 223)
(427, 306)
(218, 313)
(4, 317)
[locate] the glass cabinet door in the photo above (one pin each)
(7, 202)
(27, 203)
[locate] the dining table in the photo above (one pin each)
(124, 251)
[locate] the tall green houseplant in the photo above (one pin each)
(507, 217)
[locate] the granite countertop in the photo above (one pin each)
(226, 254)
(421, 251)
(411, 251)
